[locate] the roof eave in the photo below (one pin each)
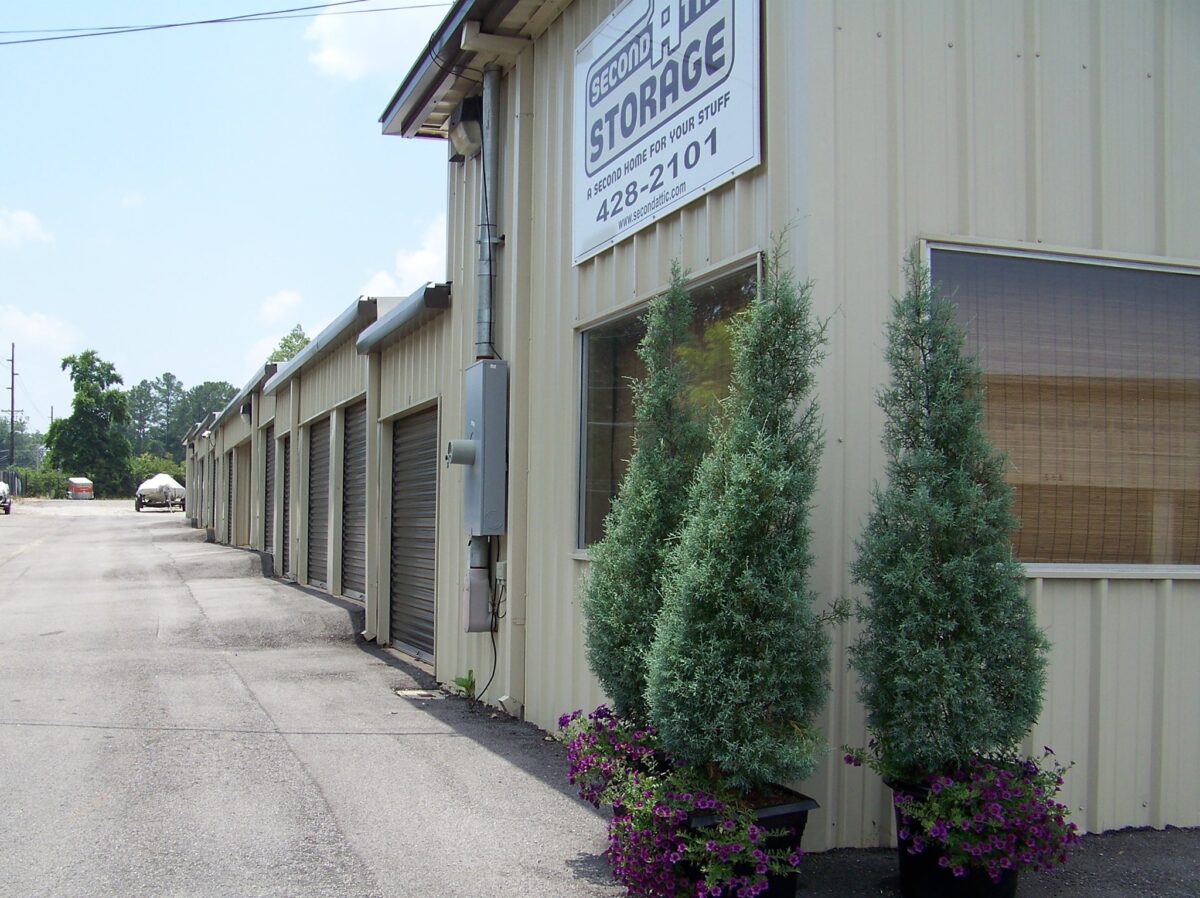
(360, 313)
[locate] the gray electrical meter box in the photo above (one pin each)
(483, 451)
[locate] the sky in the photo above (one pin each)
(179, 199)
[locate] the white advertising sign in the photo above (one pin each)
(666, 109)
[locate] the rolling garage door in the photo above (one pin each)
(285, 536)
(318, 504)
(414, 510)
(269, 494)
(354, 502)
(229, 499)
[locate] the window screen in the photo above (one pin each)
(1093, 391)
(611, 365)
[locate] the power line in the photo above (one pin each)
(299, 12)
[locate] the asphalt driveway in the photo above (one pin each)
(172, 723)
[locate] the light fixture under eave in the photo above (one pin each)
(466, 129)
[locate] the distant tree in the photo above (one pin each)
(289, 345)
(142, 415)
(193, 405)
(145, 466)
(92, 442)
(152, 406)
(168, 390)
(28, 444)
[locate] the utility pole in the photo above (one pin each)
(12, 408)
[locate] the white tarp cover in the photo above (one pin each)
(161, 483)
(3, 488)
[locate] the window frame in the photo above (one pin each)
(752, 262)
(1161, 264)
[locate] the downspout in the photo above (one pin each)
(490, 189)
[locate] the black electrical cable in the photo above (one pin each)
(497, 601)
(63, 34)
(449, 70)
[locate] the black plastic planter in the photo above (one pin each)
(791, 817)
(922, 877)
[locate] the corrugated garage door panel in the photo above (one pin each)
(269, 494)
(318, 503)
(229, 499)
(354, 502)
(414, 516)
(287, 505)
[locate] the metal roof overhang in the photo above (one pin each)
(260, 377)
(437, 81)
(360, 313)
(423, 304)
(204, 429)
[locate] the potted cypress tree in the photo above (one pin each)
(717, 691)
(620, 594)
(950, 659)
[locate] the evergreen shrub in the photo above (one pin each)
(951, 662)
(738, 668)
(621, 594)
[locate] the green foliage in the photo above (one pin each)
(193, 406)
(161, 411)
(621, 593)
(951, 662)
(152, 405)
(467, 685)
(44, 482)
(92, 442)
(25, 452)
(737, 671)
(290, 344)
(145, 466)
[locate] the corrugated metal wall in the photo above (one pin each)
(1029, 122)
(333, 381)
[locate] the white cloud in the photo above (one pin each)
(413, 267)
(38, 330)
(278, 307)
(256, 356)
(18, 226)
(132, 200)
(350, 47)
(380, 284)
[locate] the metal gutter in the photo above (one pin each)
(421, 305)
(438, 66)
(360, 313)
(260, 377)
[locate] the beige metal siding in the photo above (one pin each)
(1066, 124)
(1121, 701)
(333, 381)
(266, 408)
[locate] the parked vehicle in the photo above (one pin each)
(5, 498)
(80, 488)
(160, 491)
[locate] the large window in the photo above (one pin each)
(1093, 390)
(611, 365)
